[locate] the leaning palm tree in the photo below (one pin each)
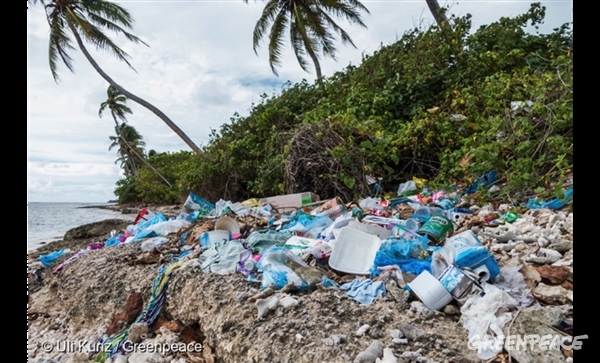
(86, 20)
(438, 13)
(311, 29)
(116, 103)
(129, 143)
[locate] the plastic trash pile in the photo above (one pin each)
(431, 246)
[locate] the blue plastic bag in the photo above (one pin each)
(411, 255)
(112, 241)
(553, 204)
(47, 259)
(274, 270)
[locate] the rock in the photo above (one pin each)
(96, 229)
(370, 355)
(451, 310)
(408, 355)
(138, 332)
(562, 246)
(388, 357)
(531, 276)
(133, 307)
(396, 334)
(287, 301)
(299, 338)
(189, 335)
(362, 330)
(266, 305)
(162, 322)
(545, 256)
(401, 296)
(553, 275)
(311, 275)
(552, 295)
(120, 359)
(78, 357)
(411, 332)
(533, 321)
(146, 358)
(400, 341)
(335, 339)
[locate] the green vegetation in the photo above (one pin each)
(435, 104)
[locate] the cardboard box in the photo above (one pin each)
(290, 202)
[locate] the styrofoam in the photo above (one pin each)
(354, 252)
(431, 292)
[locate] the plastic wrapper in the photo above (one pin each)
(153, 243)
(274, 270)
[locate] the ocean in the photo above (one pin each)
(48, 222)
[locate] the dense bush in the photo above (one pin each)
(435, 104)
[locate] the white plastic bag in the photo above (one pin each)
(484, 317)
(153, 243)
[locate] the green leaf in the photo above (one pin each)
(349, 182)
(539, 190)
(388, 169)
(366, 144)
(395, 159)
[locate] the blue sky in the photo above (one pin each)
(200, 69)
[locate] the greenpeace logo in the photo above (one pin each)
(526, 342)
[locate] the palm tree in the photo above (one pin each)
(311, 29)
(129, 143)
(118, 109)
(438, 14)
(85, 20)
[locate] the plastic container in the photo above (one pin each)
(380, 232)
(227, 224)
(470, 253)
(430, 291)
(354, 252)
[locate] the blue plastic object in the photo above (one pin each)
(483, 181)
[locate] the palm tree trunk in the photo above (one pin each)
(310, 51)
(138, 155)
(135, 98)
(440, 18)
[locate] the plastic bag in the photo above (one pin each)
(112, 241)
(47, 259)
(406, 187)
(274, 270)
(410, 255)
(484, 317)
(164, 228)
(153, 243)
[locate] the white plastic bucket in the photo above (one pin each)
(431, 292)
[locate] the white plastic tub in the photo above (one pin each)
(354, 252)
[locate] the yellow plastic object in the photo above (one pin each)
(419, 182)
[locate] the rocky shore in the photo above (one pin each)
(103, 291)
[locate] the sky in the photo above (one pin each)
(199, 69)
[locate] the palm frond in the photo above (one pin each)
(100, 21)
(58, 47)
(345, 37)
(266, 19)
(350, 10)
(276, 40)
(298, 45)
(95, 36)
